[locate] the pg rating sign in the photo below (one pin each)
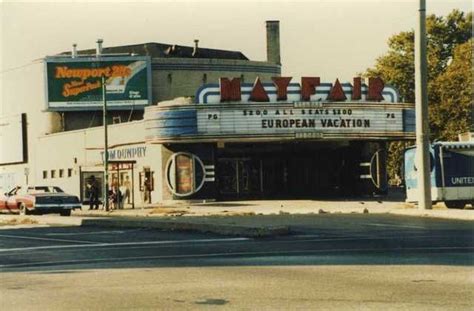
(76, 83)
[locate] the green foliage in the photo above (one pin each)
(449, 41)
(450, 109)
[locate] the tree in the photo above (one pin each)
(449, 76)
(397, 66)
(451, 93)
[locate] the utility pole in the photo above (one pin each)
(106, 146)
(421, 108)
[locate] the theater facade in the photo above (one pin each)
(283, 138)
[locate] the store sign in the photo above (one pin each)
(76, 83)
(124, 154)
(280, 89)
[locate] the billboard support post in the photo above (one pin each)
(106, 146)
(421, 111)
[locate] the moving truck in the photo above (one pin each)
(452, 173)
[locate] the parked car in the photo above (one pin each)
(38, 200)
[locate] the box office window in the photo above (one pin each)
(184, 174)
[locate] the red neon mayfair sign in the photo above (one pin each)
(230, 89)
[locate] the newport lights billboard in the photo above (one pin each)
(76, 83)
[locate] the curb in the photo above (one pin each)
(466, 215)
(45, 220)
(223, 229)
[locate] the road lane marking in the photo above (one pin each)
(307, 236)
(396, 226)
(210, 255)
(44, 239)
(88, 233)
(144, 244)
(96, 244)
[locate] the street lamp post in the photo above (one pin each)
(106, 145)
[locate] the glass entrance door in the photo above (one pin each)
(240, 178)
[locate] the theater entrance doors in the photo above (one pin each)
(288, 171)
(240, 177)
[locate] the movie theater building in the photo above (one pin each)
(242, 132)
(278, 138)
(283, 138)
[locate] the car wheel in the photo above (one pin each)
(455, 204)
(65, 213)
(23, 209)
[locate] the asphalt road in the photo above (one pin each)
(330, 261)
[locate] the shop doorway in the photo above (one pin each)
(240, 177)
(121, 177)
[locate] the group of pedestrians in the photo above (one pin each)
(116, 195)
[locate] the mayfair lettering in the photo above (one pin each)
(230, 90)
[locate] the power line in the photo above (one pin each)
(22, 66)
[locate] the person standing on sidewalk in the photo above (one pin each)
(93, 193)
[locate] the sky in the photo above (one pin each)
(329, 39)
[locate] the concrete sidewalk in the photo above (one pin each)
(285, 207)
(238, 218)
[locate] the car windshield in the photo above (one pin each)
(45, 189)
(14, 191)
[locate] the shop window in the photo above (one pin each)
(185, 174)
(61, 173)
(53, 173)
(69, 172)
(45, 174)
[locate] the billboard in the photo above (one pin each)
(13, 142)
(76, 83)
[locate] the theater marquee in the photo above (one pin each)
(284, 111)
